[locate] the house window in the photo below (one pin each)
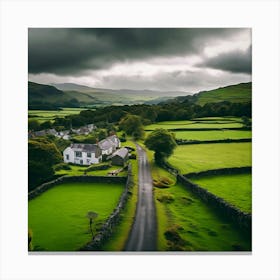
(88, 154)
(78, 154)
(67, 157)
(81, 161)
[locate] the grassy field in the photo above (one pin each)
(213, 135)
(190, 224)
(194, 158)
(58, 219)
(234, 93)
(193, 124)
(235, 189)
(44, 115)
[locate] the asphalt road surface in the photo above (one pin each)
(143, 233)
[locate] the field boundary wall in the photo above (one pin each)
(107, 227)
(190, 142)
(220, 171)
(71, 179)
(113, 220)
(241, 219)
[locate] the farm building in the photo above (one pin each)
(120, 157)
(83, 154)
(107, 146)
(115, 140)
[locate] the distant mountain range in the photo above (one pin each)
(74, 95)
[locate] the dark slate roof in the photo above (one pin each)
(85, 147)
(105, 144)
(123, 152)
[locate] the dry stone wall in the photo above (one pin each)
(241, 219)
(112, 221)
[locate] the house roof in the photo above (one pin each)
(105, 144)
(88, 148)
(114, 138)
(123, 152)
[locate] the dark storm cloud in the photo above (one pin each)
(72, 51)
(235, 61)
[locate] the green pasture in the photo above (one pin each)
(218, 119)
(195, 158)
(192, 225)
(192, 124)
(213, 134)
(46, 115)
(235, 189)
(58, 219)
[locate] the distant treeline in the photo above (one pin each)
(156, 113)
(41, 105)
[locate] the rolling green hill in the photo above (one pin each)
(72, 95)
(234, 93)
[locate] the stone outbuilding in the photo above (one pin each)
(120, 157)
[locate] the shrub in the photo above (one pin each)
(166, 198)
(122, 139)
(62, 166)
(98, 167)
(132, 156)
(163, 182)
(175, 241)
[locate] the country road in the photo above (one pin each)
(143, 233)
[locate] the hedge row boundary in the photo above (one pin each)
(190, 142)
(220, 171)
(204, 129)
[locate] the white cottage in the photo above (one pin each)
(83, 154)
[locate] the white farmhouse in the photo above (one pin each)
(83, 154)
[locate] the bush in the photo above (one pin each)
(163, 182)
(132, 156)
(98, 167)
(122, 139)
(62, 166)
(166, 198)
(175, 241)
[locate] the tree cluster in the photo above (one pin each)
(185, 110)
(42, 156)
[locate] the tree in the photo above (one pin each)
(91, 216)
(162, 142)
(102, 134)
(42, 155)
(33, 125)
(132, 125)
(247, 123)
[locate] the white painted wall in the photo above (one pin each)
(83, 160)
(107, 152)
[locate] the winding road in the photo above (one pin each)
(143, 235)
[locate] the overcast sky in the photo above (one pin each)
(184, 59)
